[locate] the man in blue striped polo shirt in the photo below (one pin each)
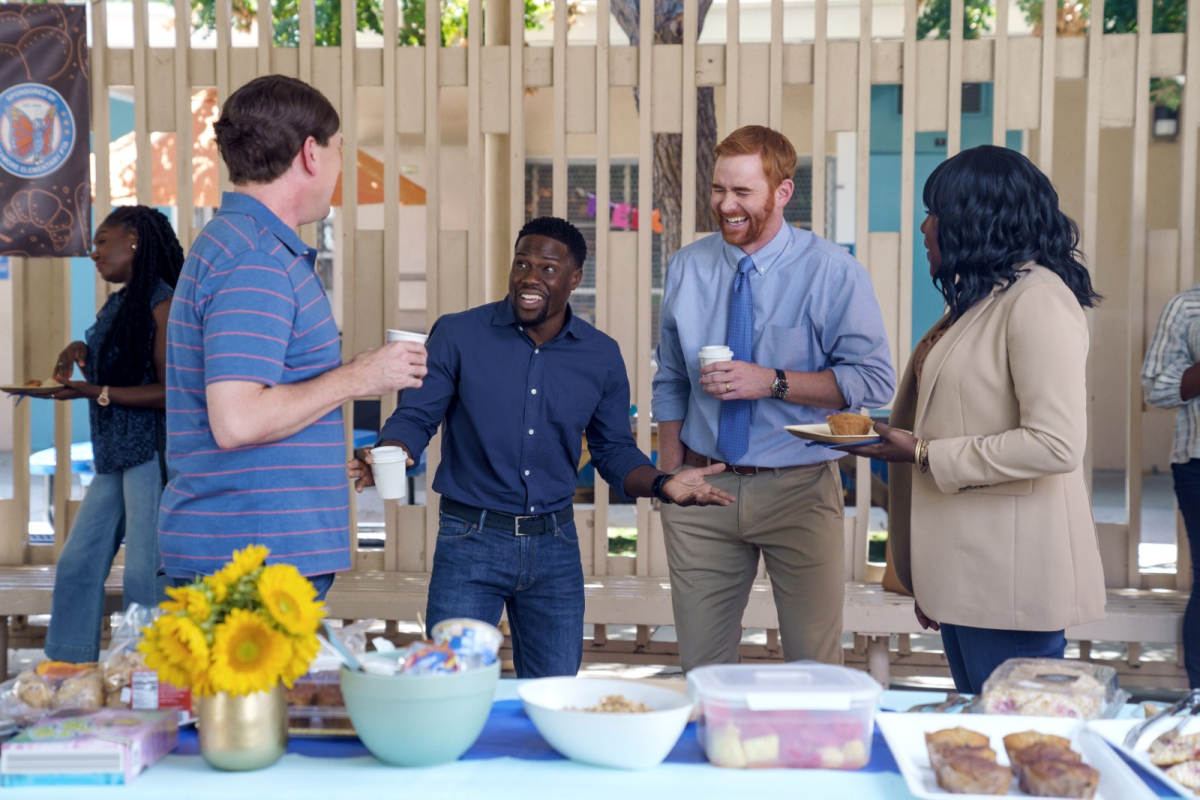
(255, 380)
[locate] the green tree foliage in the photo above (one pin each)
(935, 19)
(370, 18)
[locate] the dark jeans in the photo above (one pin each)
(320, 582)
(480, 570)
(974, 652)
(1187, 491)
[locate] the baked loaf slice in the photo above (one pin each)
(974, 775)
(1019, 741)
(1049, 778)
(845, 424)
(1022, 760)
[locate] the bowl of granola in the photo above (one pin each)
(607, 723)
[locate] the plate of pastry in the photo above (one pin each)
(1007, 756)
(1171, 755)
(838, 429)
(34, 388)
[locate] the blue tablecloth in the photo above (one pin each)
(510, 760)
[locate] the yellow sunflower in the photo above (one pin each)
(290, 599)
(175, 647)
(243, 562)
(304, 650)
(219, 588)
(192, 602)
(248, 655)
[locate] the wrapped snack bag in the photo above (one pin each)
(431, 660)
(476, 643)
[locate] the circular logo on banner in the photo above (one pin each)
(37, 131)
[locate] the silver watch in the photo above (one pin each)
(779, 389)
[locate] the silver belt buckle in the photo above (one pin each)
(517, 525)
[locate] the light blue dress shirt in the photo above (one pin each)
(1174, 348)
(814, 310)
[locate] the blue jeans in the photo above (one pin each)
(974, 652)
(479, 570)
(1187, 491)
(320, 582)
(117, 506)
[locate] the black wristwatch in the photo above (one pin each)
(779, 388)
(657, 488)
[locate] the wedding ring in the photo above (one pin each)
(727, 389)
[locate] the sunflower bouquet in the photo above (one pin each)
(241, 630)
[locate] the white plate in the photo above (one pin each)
(1114, 731)
(905, 734)
(47, 388)
(820, 433)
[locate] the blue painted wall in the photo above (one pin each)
(83, 305)
(886, 139)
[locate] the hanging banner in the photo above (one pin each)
(45, 180)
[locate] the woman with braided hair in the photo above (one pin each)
(124, 365)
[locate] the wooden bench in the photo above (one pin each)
(1136, 617)
(28, 590)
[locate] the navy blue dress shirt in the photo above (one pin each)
(515, 413)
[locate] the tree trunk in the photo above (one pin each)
(668, 147)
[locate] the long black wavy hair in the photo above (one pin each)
(130, 341)
(996, 210)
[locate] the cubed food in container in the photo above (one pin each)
(1052, 687)
(801, 715)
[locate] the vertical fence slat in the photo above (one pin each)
(433, 224)
(266, 37)
(641, 353)
(391, 238)
(688, 154)
(1049, 70)
(12, 546)
(776, 79)
(820, 112)
(603, 247)
(954, 96)
(184, 203)
(1000, 76)
(477, 267)
(101, 127)
(141, 105)
(862, 251)
(352, 338)
(559, 176)
(733, 21)
(908, 159)
(224, 18)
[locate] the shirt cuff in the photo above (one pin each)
(669, 409)
(851, 385)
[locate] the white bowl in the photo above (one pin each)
(625, 741)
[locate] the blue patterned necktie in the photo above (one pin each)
(733, 437)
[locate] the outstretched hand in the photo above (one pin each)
(689, 488)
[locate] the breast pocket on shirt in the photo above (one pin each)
(780, 347)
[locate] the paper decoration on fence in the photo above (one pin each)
(45, 181)
(625, 216)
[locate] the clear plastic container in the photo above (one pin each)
(1052, 687)
(801, 715)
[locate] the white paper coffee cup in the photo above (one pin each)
(715, 354)
(405, 336)
(388, 464)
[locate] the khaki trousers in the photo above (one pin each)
(794, 518)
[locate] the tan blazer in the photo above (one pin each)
(999, 532)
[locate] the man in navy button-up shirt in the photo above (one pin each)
(519, 383)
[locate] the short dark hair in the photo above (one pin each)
(560, 230)
(264, 124)
(995, 210)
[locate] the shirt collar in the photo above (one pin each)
(764, 259)
(239, 203)
(505, 315)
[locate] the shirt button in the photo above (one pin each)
(535, 352)
(520, 327)
(533, 391)
(531, 508)
(526, 472)
(531, 431)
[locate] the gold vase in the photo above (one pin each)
(243, 732)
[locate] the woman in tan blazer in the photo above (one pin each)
(990, 523)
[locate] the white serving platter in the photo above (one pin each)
(905, 735)
(1114, 730)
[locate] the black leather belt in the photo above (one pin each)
(532, 525)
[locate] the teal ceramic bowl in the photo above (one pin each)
(423, 720)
